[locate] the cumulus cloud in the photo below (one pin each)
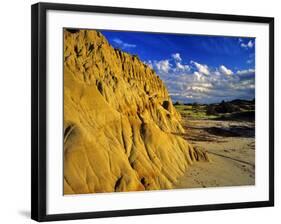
(246, 71)
(149, 63)
(209, 89)
(250, 44)
(250, 61)
(244, 45)
(196, 82)
(246, 74)
(176, 57)
(198, 76)
(162, 66)
(182, 67)
(201, 68)
(122, 44)
(224, 70)
(170, 66)
(179, 66)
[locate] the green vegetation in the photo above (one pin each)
(233, 110)
(194, 111)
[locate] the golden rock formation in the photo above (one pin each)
(119, 121)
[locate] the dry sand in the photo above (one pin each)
(232, 156)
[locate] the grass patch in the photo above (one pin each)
(194, 112)
(200, 112)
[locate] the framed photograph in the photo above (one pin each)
(139, 111)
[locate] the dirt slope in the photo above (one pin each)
(118, 121)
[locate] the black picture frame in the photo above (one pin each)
(39, 122)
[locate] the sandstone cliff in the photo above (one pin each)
(119, 121)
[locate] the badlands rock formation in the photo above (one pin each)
(120, 126)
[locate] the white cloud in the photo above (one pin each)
(201, 68)
(243, 45)
(149, 63)
(199, 89)
(117, 41)
(249, 61)
(182, 67)
(198, 76)
(162, 66)
(224, 70)
(250, 44)
(176, 57)
(179, 66)
(195, 82)
(246, 71)
(123, 44)
(172, 66)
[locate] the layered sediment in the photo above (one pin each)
(120, 126)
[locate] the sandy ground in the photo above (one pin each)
(231, 149)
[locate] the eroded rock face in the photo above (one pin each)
(119, 122)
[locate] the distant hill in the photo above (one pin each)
(237, 105)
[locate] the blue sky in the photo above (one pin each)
(195, 68)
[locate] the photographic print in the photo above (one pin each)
(141, 111)
(157, 111)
